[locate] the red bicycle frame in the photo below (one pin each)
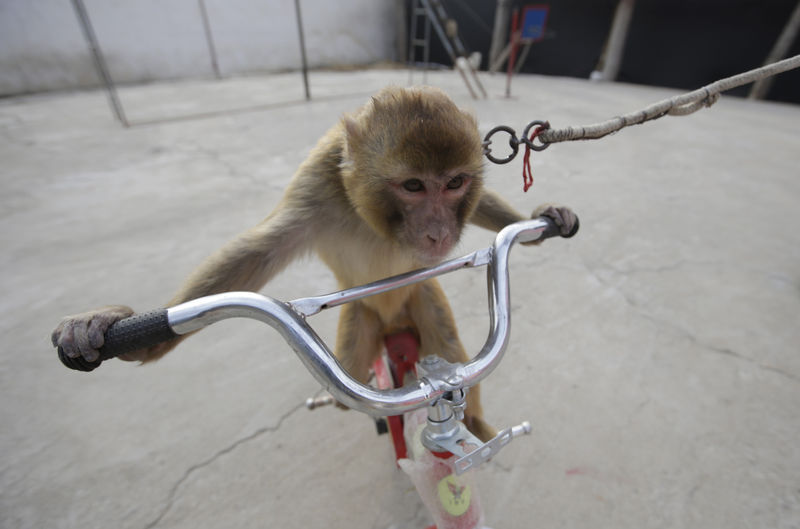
(402, 354)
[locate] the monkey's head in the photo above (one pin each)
(413, 169)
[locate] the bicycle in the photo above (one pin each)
(443, 449)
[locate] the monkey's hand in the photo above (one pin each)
(564, 218)
(83, 334)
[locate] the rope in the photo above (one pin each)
(681, 105)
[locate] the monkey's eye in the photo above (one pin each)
(414, 185)
(455, 182)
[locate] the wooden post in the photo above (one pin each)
(779, 50)
(515, 34)
(616, 40)
(500, 31)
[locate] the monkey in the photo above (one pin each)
(386, 190)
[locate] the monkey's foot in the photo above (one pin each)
(480, 428)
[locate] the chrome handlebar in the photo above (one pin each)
(289, 319)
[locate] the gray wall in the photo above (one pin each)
(42, 47)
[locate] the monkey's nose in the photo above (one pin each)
(438, 241)
(437, 238)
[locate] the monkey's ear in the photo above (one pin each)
(352, 129)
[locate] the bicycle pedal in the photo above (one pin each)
(490, 448)
(313, 403)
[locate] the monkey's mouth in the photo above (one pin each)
(431, 253)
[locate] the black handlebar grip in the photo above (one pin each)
(129, 334)
(553, 230)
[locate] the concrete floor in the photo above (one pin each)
(656, 354)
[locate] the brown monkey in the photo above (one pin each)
(385, 191)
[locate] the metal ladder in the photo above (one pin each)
(415, 42)
(435, 15)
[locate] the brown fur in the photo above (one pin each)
(347, 202)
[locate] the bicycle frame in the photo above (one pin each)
(390, 370)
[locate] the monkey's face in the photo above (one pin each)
(412, 166)
(428, 211)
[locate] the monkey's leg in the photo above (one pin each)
(358, 341)
(433, 318)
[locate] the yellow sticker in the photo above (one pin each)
(454, 496)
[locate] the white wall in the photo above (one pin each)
(42, 46)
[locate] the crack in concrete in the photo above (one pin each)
(228, 449)
(779, 371)
(686, 334)
(669, 325)
(633, 414)
(493, 462)
(216, 156)
(609, 284)
(730, 352)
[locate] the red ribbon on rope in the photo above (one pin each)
(527, 172)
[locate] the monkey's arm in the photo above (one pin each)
(245, 263)
(250, 260)
(493, 212)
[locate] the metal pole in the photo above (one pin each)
(778, 52)
(412, 41)
(99, 61)
(302, 48)
(433, 17)
(209, 39)
(401, 27)
(426, 53)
